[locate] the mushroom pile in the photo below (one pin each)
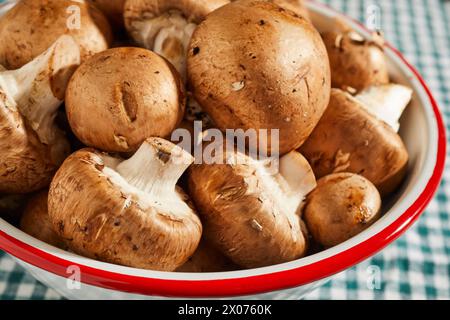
(96, 95)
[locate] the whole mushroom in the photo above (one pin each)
(166, 27)
(350, 139)
(254, 66)
(342, 205)
(32, 145)
(32, 26)
(36, 222)
(249, 212)
(127, 212)
(356, 63)
(122, 96)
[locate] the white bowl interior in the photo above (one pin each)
(418, 130)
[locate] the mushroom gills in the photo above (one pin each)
(167, 35)
(387, 102)
(37, 89)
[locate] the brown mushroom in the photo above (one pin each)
(122, 96)
(166, 27)
(356, 63)
(32, 26)
(32, 145)
(342, 205)
(350, 139)
(35, 221)
(254, 66)
(113, 9)
(127, 212)
(249, 212)
(297, 6)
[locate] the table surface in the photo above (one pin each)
(417, 265)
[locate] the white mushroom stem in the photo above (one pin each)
(167, 35)
(387, 102)
(37, 89)
(156, 167)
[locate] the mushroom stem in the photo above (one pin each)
(156, 167)
(37, 89)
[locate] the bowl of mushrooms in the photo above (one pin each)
(118, 177)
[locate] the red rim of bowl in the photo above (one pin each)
(251, 284)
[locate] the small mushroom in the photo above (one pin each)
(268, 70)
(350, 139)
(32, 26)
(36, 222)
(32, 145)
(387, 102)
(127, 212)
(342, 205)
(122, 96)
(166, 27)
(356, 63)
(207, 259)
(250, 213)
(113, 9)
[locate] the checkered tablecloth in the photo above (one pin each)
(417, 266)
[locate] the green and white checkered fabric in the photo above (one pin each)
(417, 266)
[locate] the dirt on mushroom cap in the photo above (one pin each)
(254, 65)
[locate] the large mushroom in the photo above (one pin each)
(36, 222)
(342, 205)
(122, 96)
(252, 65)
(166, 26)
(249, 211)
(128, 212)
(31, 26)
(356, 63)
(350, 139)
(32, 145)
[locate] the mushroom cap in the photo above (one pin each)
(32, 26)
(350, 139)
(113, 9)
(342, 205)
(36, 222)
(245, 212)
(122, 96)
(355, 62)
(26, 164)
(101, 216)
(254, 65)
(193, 10)
(297, 6)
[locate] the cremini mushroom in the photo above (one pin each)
(254, 66)
(356, 63)
(350, 139)
(342, 205)
(113, 9)
(31, 143)
(122, 96)
(207, 259)
(166, 26)
(249, 211)
(387, 102)
(35, 221)
(32, 26)
(128, 212)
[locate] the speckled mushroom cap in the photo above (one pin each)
(32, 26)
(193, 10)
(342, 205)
(356, 63)
(122, 96)
(297, 6)
(252, 64)
(130, 216)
